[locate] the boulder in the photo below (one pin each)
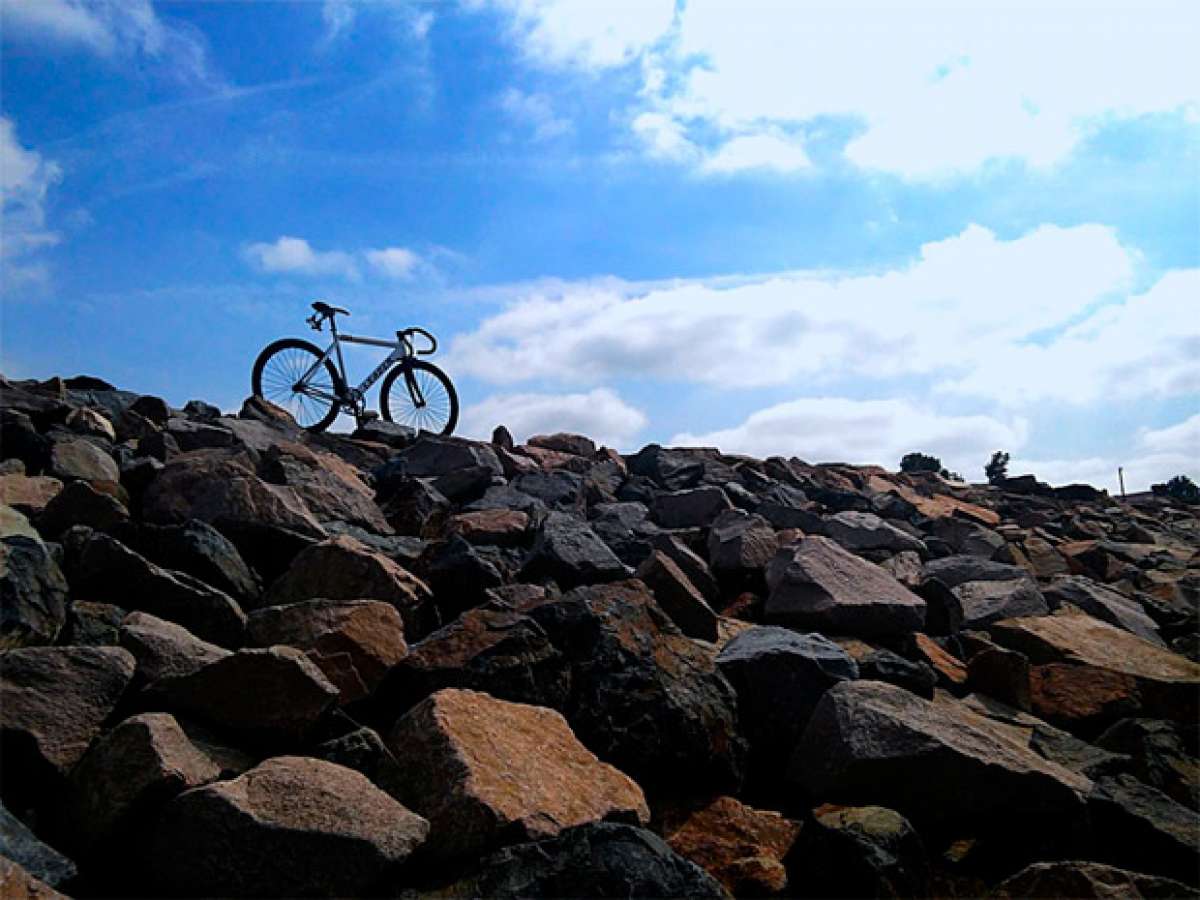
(74, 458)
(815, 584)
(863, 531)
(741, 847)
(354, 642)
(740, 545)
(487, 772)
(28, 493)
(78, 503)
(569, 552)
(460, 574)
(575, 444)
(430, 456)
(555, 490)
(779, 677)
(330, 488)
(690, 508)
(21, 846)
(1140, 827)
(883, 665)
(93, 624)
(415, 507)
(1159, 756)
(364, 751)
(291, 826)
(163, 649)
(1079, 878)
(1103, 603)
(199, 550)
(955, 570)
(504, 527)
(671, 470)
(967, 537)
(869, 741)
(289, 696)
(16, 883)
(33, 593)
(678, 597)
(985, 602)
(692, 566)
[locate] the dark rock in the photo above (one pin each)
(626, 528)
(556, 490)
(163, 649)
(392, 434)
(290, 827)
(691, 508)
(1087, 879)
(198, 409)
(1160, 757)
(861, 531)
(816, 584)
(199, 550)
(1142, 828)
(502, 437)
(22, 846)
(465, 485)
(93, 625)
(1001, 673)
(678, 597)
(416, 508)
(740, 545)
(1025, 484)
(505, 496)
(431, 456)
(955, 570)
(1105, 604)
(364, 751)
(328, 487)
(575, 444)
(192, 435)
(460, 575)
(985, 602)
(691, 565)
(884, 665)
(568, 551)
(78, 503)
(967, 537)
(671, 470)
(79, 458)
(33, 593)
(153, 408)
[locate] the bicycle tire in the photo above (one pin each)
(442, 411)
(307, 411)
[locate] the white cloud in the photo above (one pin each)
(394, 262)
(600, 414)
(341, 16)
(937, 87)
(834, 429)
(534, 111)
(1182, 438)
(758, 151)
(664, 137)
(966, 312)
(296, 255)
(338, 16)
(25, 179)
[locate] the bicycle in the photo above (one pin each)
(301, 378)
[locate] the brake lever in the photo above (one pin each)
(314, 323)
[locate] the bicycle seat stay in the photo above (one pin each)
(325, 309)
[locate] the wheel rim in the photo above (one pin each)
(282, 371)
(431, 417)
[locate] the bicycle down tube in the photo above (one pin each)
(398, 353)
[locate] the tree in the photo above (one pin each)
(1179, 488)
(920, 462)
(997, 470)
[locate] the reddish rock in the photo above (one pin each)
(163, 649)
(505, 527)
(678, 597)
(1045, 562)
(329, 487)
(1077, 697)
(574, 444)
(28, 494)
(354, 642)
(743, 848)
(951, 672)
(292, 826)
(18, 884)
(485, 771)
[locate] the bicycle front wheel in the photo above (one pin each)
(418, 394)
(277, 378)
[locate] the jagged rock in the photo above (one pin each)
(779, 677)
(568, 551)
(163, 649)
(190, 435)
(341, 568)
(905, 567)
(859, 531)
(486, 771)
(93, 625)
(80, 458)
(102, 568)
(575, 444)
(863, 851)
(289, 695)
(1152, 679)
(1160, 757)
(291, 826)
(740, 545)
(816, 584)
(16, 883)
(692, 566)
(330, 488)
(364, 751)
(955, 570)
(678, 597)
(153, 408)
(967, 537)
(1138, 826)
(53, 702)
(79, 503)
(1003, 674)
(672, 470)
(690, 508)
(950, 671)
(504, 527)
(354, 642)
(884, 665)
(558, 490)
(21, 440)
(415, 507)
(89, 422)
(644, 696)
(1044, 561)
(33, 593)
(743, 848)
(1105, 604)
(1087, 880)
(21, 846)
(28, 494)
(603, 859)
(199, 550)
(130, 772)
(869, 741)
(985, 602)
(430, 456)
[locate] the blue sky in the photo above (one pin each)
(832, 230)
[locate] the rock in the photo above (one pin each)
(671, 470)
(78, 503)
(985, 602)
(816, 584)
(103, 569)
(290, 694)
(502, 437)
(13, 524)
(53, 702)
(1086, 879)
(779, 677)
(330, 488)
(568, 551)
(163, 649)
(354, 642)
(430, 456)
(1003, 674)
(28, 494)
(1160, 757)
(863, 851)
(191, 435)
(486, 772)
(89, 422)
(691, 508)
(33, 593)
(575, 444)
(1166, 684)
(678, 597)
(740, 545)
(603, 859)
(199, 550)
(955, 570)
(1080, 699)
(643, 696)
(93, 624)
(153, 408)
(79, 458)
(1105, 604)
(341, 568)
(291, 826)
(1137, 826)
(1044, 560)
(861, 531)
(950, 671)
(21, 846)
(415, 507)
(17, 884)
(504, 527)
(930, 761)
(128, 774)
(884, 665)
(742, 848)
(460, 574)
(967, 537)
(692, 566)
(558, 490)
(364, 751)
(905, 567)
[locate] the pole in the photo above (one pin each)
(1121, 476)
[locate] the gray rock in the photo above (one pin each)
(1140, 827)
(955, 570)
(740, 545)
(80, 458)
(691, 508)
(1105, 604)
(985, 602)
(40, 860)
(568, 551)
(857, 531)
(163, 649)
(78, 503)
(33, 593)
(679, 598)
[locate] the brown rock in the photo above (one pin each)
(292, 826)
(329, 487)
(678, 597)
(1082, 879)
(128, 773)
(81, 504)
(743, 848)
(78, 458)
(88, 421)
(28, 494)
(505, 527)
(17, 884)
(163, 649)
(1078, 697)
(951, 672)
(1044, 561)
(354, 642)
(1001, 673)
(485, 771)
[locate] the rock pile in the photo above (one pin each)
(238, 659)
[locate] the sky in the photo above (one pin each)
(841, 231)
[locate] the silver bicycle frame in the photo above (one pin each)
(399, 352)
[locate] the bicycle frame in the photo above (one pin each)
(401, 350)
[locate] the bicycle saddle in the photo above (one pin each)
(326, 310)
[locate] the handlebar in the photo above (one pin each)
(405, 337)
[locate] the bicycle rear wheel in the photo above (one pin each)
(418, 394)
(279, 369)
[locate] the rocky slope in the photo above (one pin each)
(243, 660)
